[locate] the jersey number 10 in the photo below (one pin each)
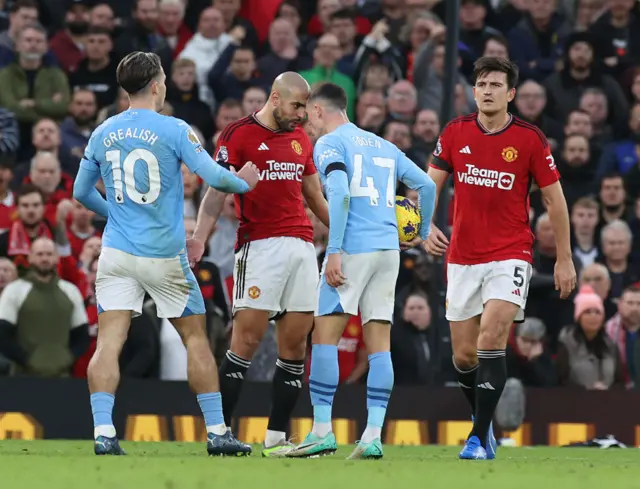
(118, 167)
(356, 189)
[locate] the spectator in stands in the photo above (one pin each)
(97, 70)
(43, 322)
(235, 70)
(530, 102)
(7, 198)
(597, 277)
(230, 10)
(290, 11)
(371, 111)
(399, 133)
(205, 47)
(55, 185)
(580, 71)
(578, 122)
(402, 101)
(616, 248)
(8, 273)
(32, 89)
(376, 48)
(425, 131)
(536, 41)
(190, 182)
(527, 357)
(182, 93)
(613, 200)
(623, 329)
(584, 220)
(121, 104)
(394, 13)
(90, 252)
(81, 228)
(77, 127)
(253, 100)
(594, 102)
(586, 355)
(622, 155)
(171, 25)
(577, 168)
(68, 44)
(376, 76)
(496, 46)
(9, 136)
(284, 52)
(619, 52)
(342, 24)
(141, 34)
(230, 111)
(474, 31)
(22, 14)
(326, 55)
(413, 343)
(102, 17)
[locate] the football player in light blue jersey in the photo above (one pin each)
(359, 171)
(138, 154)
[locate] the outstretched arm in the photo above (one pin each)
(416, 179)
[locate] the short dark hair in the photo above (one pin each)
(499, 38)
(137, 70)
(491, 64)
(343, 13)
(96, 30)
(28, 189)
(331, 93)
(23, 4)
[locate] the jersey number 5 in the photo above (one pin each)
(127, 167)
(356, 189)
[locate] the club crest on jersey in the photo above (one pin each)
(509, 154)
(438, 150)
(222, 155)
(254, 292)
(296, 147)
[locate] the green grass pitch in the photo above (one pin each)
(168, 465)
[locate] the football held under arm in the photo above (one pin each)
(416, 179)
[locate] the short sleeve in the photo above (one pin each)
(89, 158)
(329, 155)
(543, 166)
(228, 149)
(309, 166)
(79, 314)
(188, 147)
(442, 153)
(11, 300)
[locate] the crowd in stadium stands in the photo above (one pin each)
(579, 63)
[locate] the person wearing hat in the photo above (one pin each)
(67, 44)
(586, 355)
(581, 71)
(527, 356)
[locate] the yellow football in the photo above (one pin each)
(408, 217)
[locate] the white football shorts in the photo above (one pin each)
(122, 280)
(469, 287)
(370, 287)
(276, 275)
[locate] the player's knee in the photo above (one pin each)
(465, 356)
(493, 338)
(244, 343)
(294, 347)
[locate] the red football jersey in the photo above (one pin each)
(492, 175)
(275, 207)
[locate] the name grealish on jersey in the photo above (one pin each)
(145, 135)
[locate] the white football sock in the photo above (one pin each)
(321, 429)
(217, 429)
(371, 433)
(273, 438)
(107, 430)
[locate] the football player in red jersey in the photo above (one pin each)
(276, 270)
(493, 156)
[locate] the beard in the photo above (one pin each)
(83, 120)
(77, 28)
(283, 123)
(44, 272)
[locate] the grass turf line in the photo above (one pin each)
(171, 465)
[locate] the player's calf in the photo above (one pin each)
(249, 327)
(291, 333)
(464, 341)
(203, 380)
(495, 324)
(103, 375)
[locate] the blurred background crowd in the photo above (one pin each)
(579, 63)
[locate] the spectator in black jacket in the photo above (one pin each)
(527, 357)
(9, 136)
(413, 349)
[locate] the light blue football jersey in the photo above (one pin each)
(139, 153)
(373, 167)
